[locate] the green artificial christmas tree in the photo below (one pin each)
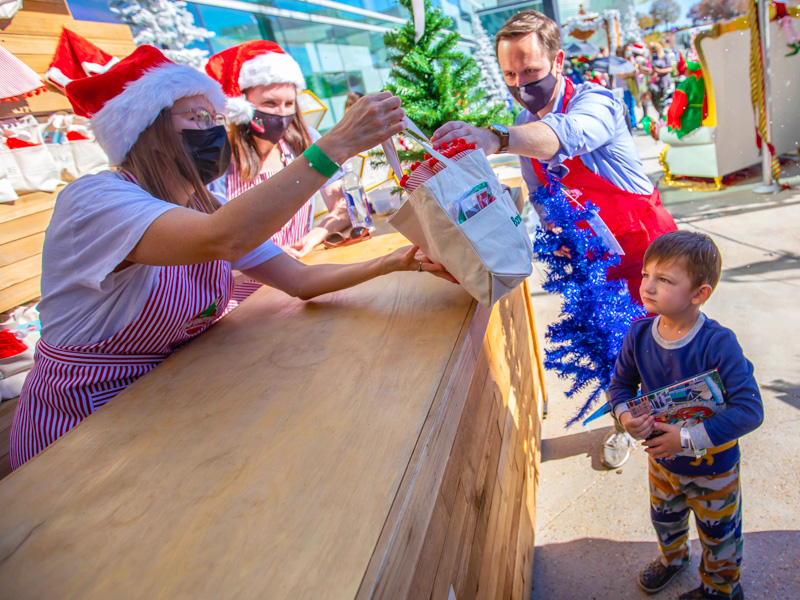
(436, 81)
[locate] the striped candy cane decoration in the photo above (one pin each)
(757, 87)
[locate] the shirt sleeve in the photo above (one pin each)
(262, 254)
(105, 217)
(589, 124)
(744, 410)
(626, 379)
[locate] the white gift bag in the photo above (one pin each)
(30, 169)
(490, 253)
(89, 156)
(7, 193)
(54, 132)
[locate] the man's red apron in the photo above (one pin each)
(68, 383)
(634, 219)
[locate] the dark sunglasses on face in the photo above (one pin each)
(357, 234)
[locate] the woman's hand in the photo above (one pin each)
(411, 259)
(370, 121)
(307, 243)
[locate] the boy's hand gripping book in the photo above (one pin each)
(684, 403)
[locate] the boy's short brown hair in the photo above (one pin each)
(696, 251)
(532, 21)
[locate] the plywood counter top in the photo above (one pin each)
(278, 455)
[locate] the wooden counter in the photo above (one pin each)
(377, 442)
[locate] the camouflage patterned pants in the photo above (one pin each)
(716, 503)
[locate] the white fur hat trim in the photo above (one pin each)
(118, 124)
(269, 68)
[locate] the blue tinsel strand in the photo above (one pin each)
(596, 313)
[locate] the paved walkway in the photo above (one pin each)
(593, 530)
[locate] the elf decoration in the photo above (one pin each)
(596, 312)
(652, 126)
(689, 103)
(785, 21)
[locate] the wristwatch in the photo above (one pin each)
(500, 131)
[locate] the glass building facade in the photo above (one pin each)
(338, 44)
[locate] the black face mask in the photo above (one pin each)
(210, 151)
(269, 127)
(535, 95)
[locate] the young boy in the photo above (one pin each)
(680, 271)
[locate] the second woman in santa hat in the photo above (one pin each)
(267, 132)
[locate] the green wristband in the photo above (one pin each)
(320, 162)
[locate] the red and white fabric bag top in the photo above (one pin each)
(491, 252)
(31, 167)
(74, 147)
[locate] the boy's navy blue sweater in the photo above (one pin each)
(649, 361)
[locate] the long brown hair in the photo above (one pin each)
(246, 156)
(158, 157)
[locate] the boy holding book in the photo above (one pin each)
(691, 467)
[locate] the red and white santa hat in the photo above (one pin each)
(247, 65)
(127, 99)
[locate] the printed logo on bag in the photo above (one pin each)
(202, 320)
(516, 220)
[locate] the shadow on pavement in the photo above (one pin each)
(588, 442)
(786, 392)
(781, 263)
(601, 569)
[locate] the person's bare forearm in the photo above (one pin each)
(322, 279)
(309, 281)
(535, 140)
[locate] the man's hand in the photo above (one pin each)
(638, 427)
(666, 445)
(482, 138)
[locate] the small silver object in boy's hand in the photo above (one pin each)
(419, 268)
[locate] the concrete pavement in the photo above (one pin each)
(593, 530)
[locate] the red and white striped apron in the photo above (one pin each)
(302, 221)
(68, 383)
(298, 226)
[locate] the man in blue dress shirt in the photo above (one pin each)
(579, 134)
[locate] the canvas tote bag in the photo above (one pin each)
(490, 253)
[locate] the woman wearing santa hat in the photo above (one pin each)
(267, 132)
(138, 260)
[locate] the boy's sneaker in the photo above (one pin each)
(697, 594)
(654, 577)
(616, 449)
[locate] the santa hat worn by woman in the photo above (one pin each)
(247, 65)
(127, 99)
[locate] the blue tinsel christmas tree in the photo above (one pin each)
(596, 312)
